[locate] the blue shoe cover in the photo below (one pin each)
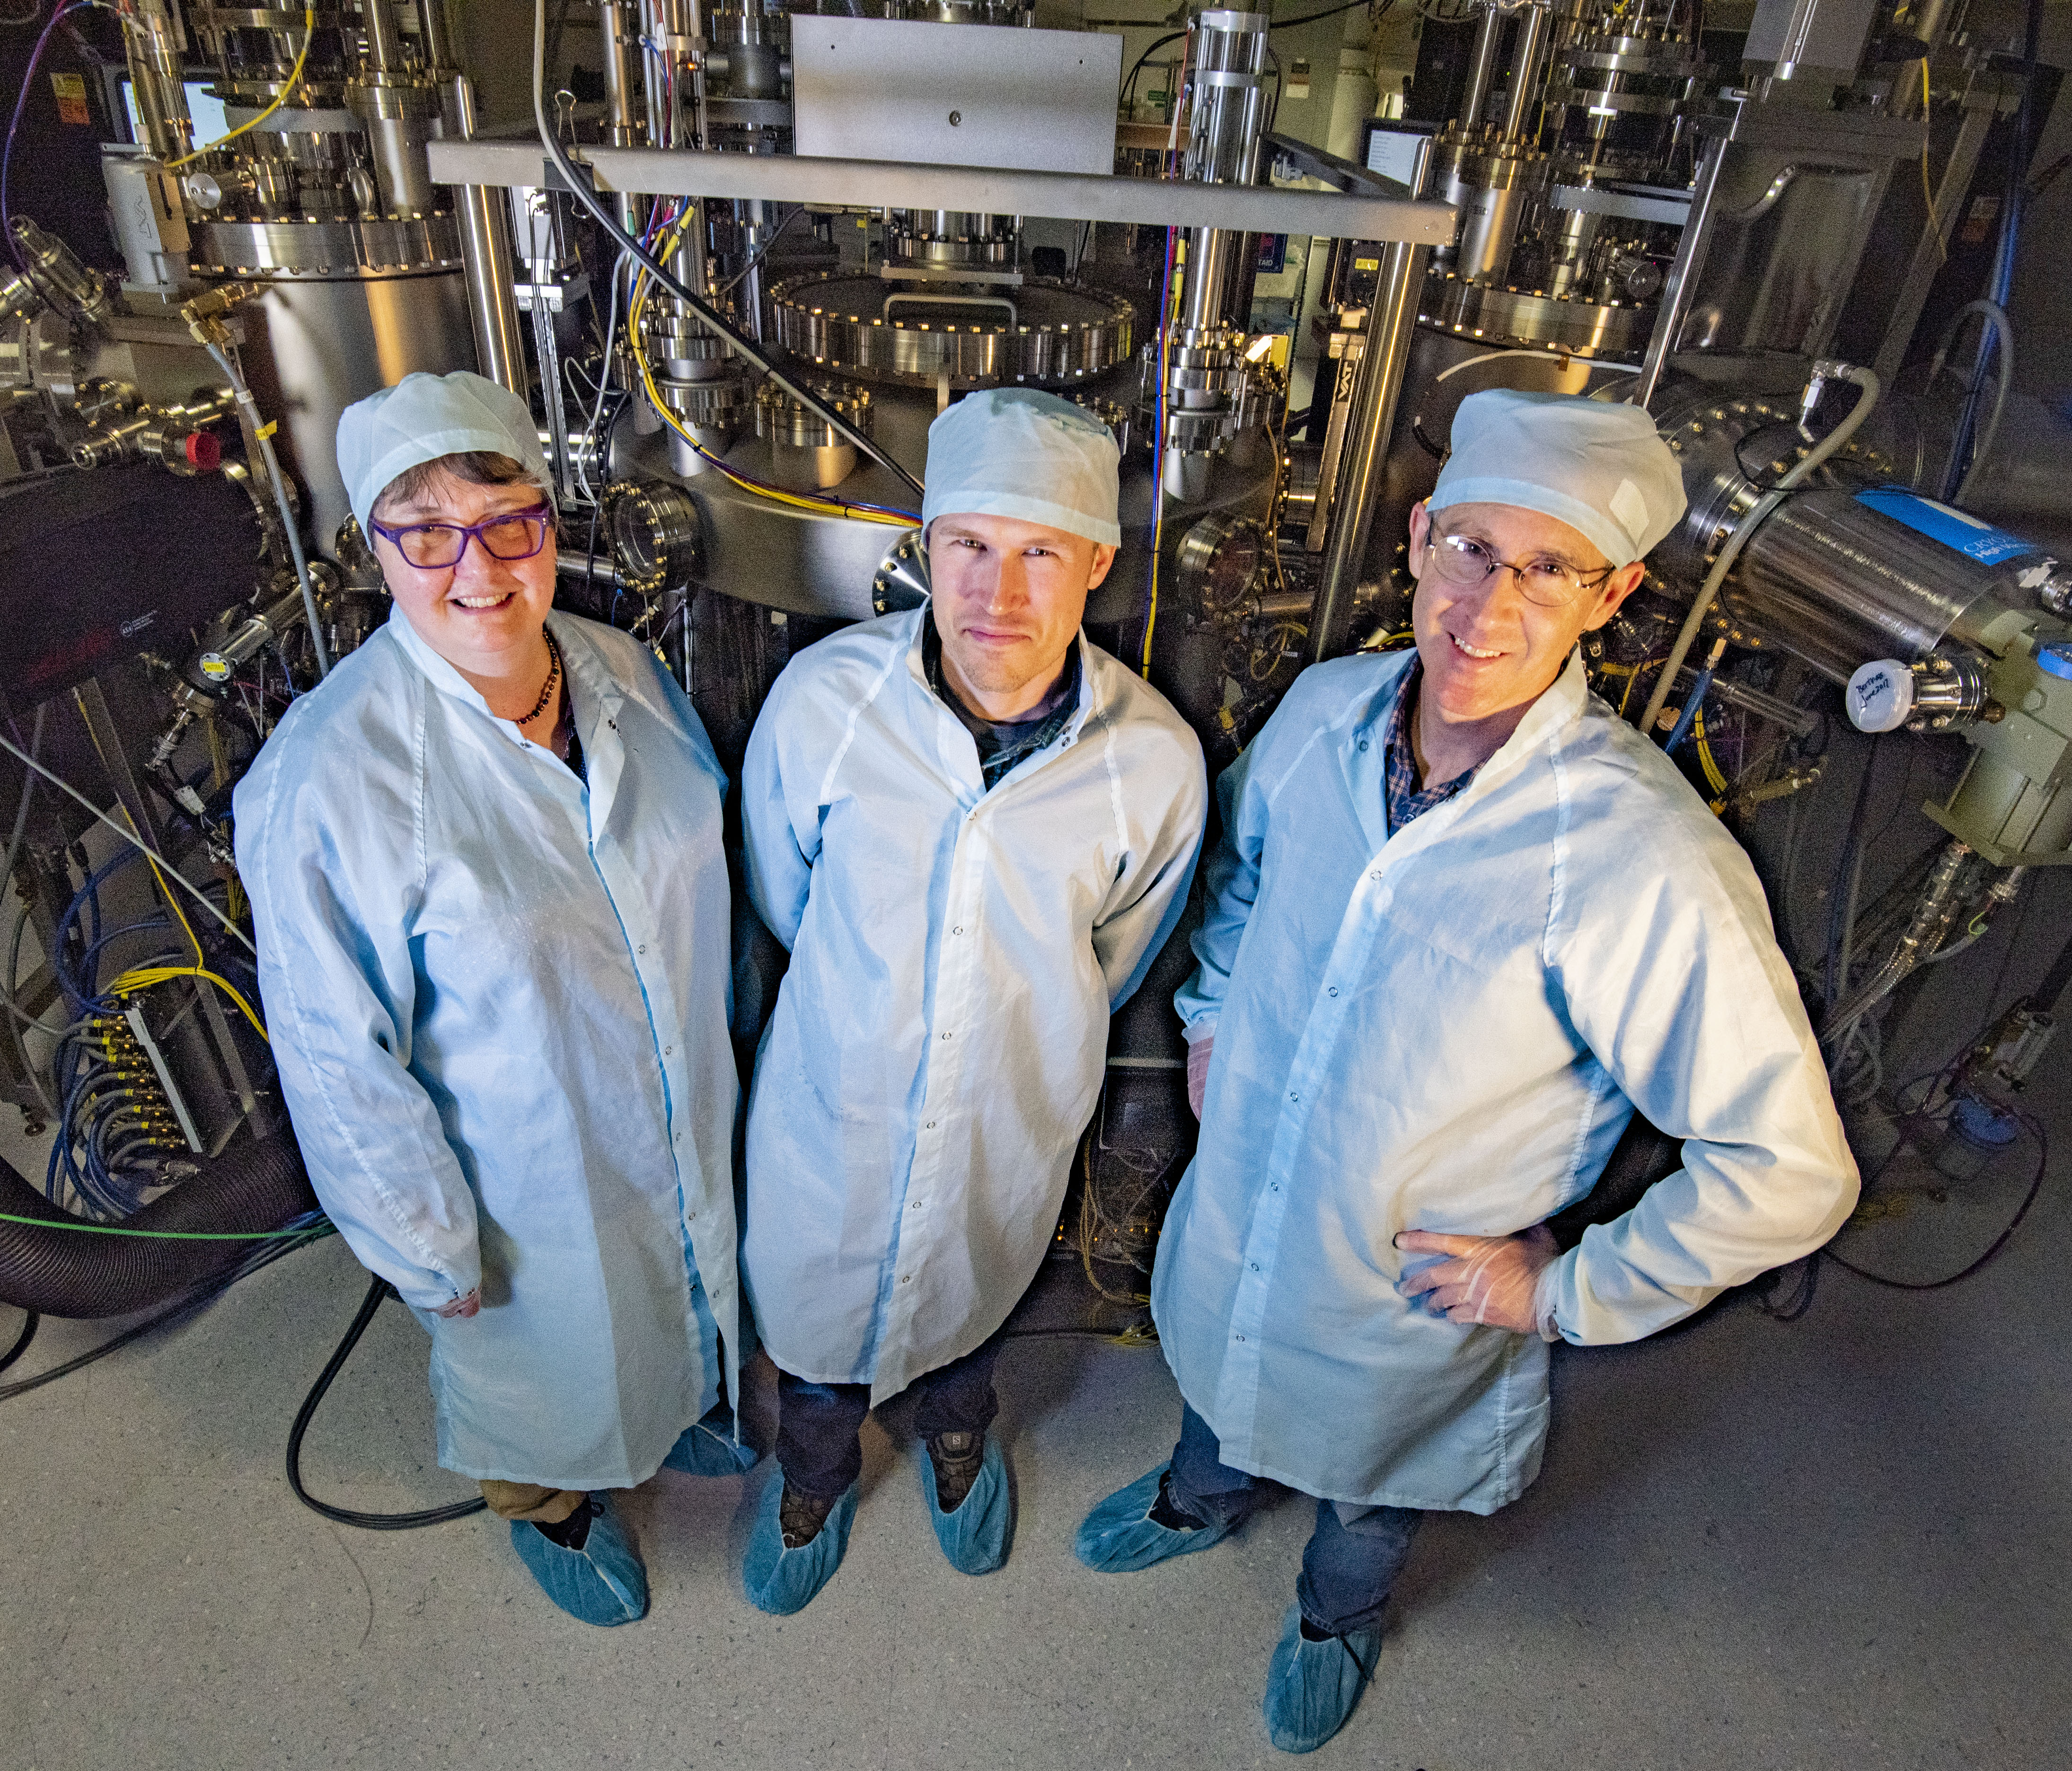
(1119, 1536)
(602, 1583)
(975, 1537)
(781, 1581)
(1311, 1687)
(707, 1446)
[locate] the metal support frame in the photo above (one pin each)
(888, 184)
(1386, 351)
(486, 259)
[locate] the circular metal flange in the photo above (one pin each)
(654, 533)
(1218, 563)
(327, 249)
(1061, 334)
(780, 418)
(1530, 318)
(901, 581)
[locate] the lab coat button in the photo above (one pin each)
(1294, 1096)
(1375, 874)
(906, 1278)
(640, 949)
(1363, 743)
(1238, 1338)
(946, 1036)
(958, 930)
(1332, 991)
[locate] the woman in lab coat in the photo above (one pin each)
(485, 865)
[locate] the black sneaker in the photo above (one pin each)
(957, 1458)
(799, 1516)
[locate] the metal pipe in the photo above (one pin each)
(153, 44)
(621, 130)
(1481, 67)
(1684, 273)
(486, 259)
(436, 35)
(385, 42)
(1534, 25)
(1390, 322)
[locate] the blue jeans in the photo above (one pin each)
(1353, 1557)
(818, 1447)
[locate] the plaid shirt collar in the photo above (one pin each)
(1406, 800)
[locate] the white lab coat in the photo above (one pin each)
(498, 998)
(1447, 1028)
(941, 1035)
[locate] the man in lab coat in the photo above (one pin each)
(1463, 923)
(974, 831)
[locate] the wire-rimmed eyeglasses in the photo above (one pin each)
(1462, 560)
(510, 535)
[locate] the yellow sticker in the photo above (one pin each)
(268, 428)
(71, 91)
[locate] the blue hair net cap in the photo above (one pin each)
(1014, 452)
(422, 418)
(1597, 467)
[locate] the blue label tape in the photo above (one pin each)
(1972, 539)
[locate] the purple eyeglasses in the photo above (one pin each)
(515, 535)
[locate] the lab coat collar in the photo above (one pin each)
(1090, 702)
(1559, 705)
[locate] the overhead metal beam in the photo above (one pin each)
(887, 184)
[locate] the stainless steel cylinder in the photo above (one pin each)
(1838, 583)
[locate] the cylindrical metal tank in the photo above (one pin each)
(1837, 581)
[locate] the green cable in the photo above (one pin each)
(167, 1235)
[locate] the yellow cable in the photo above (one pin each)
(635, 311)
(281, 98)
(1713, 772)
(1927, 99)
(145, 976)
(1158, 466)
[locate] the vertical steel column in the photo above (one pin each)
(486, 261)
(154, 44)
(1535, 24)
(1481, 68)
(1390, 322)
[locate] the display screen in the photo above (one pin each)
(210, 119)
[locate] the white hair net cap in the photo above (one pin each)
(1014, 452)
(1597, 467)
(422, 418)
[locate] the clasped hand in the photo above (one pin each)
(1490, 1280)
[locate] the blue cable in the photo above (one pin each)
(1689, 717)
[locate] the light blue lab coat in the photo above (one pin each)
(1447, 1028)
(498, 998)
(941, 1035)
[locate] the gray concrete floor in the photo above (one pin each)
(1837, 1543)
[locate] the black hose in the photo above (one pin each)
(255, 1186)
(21, 1341)
(377, 1290)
